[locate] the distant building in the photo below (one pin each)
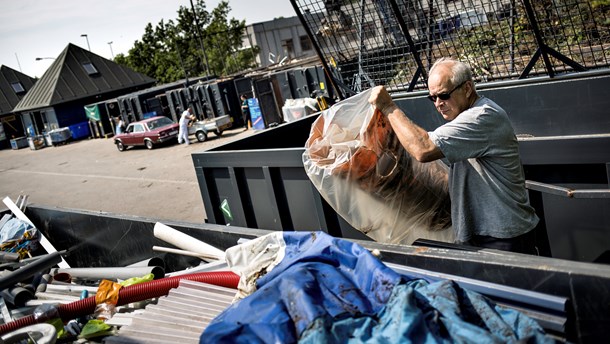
(77, 78)
(279, 40)
(13, 87)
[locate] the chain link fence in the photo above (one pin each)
(394, 42)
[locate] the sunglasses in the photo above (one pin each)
(444, 96)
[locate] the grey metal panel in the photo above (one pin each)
(298, 83)
(578, 228)
(577, 149)
(563, 106)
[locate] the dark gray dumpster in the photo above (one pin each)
(564, 134)
(103, 239)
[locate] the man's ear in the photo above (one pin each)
(469, 90)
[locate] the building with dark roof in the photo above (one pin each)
(77, 78)
(13, 87)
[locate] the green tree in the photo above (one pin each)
(177, 49)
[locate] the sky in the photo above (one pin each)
(43, 28)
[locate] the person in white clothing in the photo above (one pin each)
(120, 127)
(183, 132)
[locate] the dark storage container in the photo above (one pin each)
(178, 101)
(225, 101)
(298, 83)
(316, 81)
(244, 86)
(267, 102)
(261, 179)
(204, 104)
(281, 87)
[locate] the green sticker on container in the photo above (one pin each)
(226, 211)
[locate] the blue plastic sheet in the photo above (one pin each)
(329, 290)
(14, 230)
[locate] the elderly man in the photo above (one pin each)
(489, 203)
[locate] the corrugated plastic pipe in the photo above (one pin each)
(134, 293)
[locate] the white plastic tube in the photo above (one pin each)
(186, 242)
(182, 252)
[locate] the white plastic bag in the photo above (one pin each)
(356, 162)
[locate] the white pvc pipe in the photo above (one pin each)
(182, 252)
(186, 242)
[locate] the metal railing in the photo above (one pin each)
(394, 42)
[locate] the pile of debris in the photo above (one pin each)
(43, 298)
(283, 286)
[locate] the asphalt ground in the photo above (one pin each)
(93, 175)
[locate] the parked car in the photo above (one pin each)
(148, 133)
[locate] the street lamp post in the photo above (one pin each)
(44, 58)
(111, 52)
(87, 38)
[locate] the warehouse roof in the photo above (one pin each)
(13, 87)
(77, 74)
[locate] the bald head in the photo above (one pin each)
(455, 71)
(450, 85)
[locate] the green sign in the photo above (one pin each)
(93, 112)
(226, 211)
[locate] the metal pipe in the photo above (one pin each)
(522, 296)
(113, 273)
(318, 50)
(567, 192)
(30, 270)
(405, 30)
(154, 261)
(17, 296)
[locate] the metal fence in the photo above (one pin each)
(394, 42)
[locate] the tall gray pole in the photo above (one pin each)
(205, 56)
(111, 52)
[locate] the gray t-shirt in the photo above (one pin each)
(486, 181)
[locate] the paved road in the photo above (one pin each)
(93, 175)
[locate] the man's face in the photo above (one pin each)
(439, 84)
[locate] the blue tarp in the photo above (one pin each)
(329, 290)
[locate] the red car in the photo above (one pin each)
(148, 132)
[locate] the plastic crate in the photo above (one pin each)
(18, 143)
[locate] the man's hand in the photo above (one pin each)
(381, 99)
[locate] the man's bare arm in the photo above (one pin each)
(414, 138)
